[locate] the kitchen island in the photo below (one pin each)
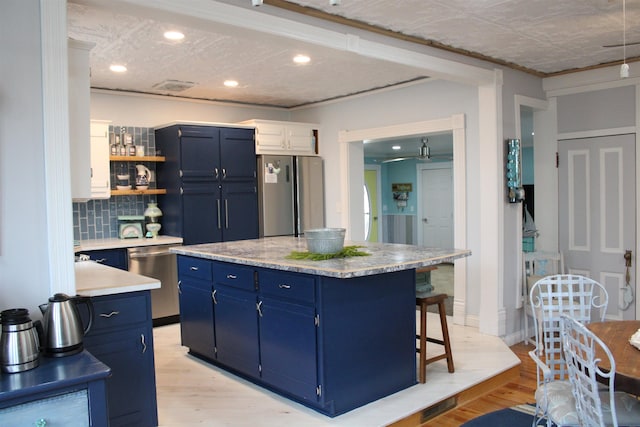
(333, 335)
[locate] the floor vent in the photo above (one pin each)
(437, 409)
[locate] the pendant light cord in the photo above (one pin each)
(624, 31)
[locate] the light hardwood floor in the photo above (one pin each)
(191, 392)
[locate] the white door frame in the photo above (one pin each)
(541, 146)
(419, 168)
(378, 170)
(352, 146)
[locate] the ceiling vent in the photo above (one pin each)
(174, 85)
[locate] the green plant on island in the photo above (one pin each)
(347, 251)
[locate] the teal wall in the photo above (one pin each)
(397, 173)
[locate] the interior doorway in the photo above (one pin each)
(352, 152)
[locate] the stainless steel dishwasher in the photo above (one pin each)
(157, 262)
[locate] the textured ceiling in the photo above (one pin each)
(542, 36)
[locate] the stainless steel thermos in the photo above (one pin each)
(19, 342)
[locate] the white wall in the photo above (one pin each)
(24, 275)
(152, 111)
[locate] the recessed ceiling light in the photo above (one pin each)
(301, 59)
(230, 83)
(173, 35)
(396, 147)
(116, 68)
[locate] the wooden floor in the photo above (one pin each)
(516, 392)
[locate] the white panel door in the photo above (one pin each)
(597, 209)
(437, 207)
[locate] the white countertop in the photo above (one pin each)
(115, 243)
(93, 279)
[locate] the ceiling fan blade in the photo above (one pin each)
(621, 44)
(397, 159)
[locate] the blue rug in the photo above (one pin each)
(517, 416)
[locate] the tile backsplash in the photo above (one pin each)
(98, 219)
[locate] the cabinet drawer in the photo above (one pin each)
(194, 267)
(287, 285)
(118, 311)
(234, 275)
(69, 409)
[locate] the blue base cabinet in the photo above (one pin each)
(195, 291)
(67, 391)
(122, 338)
(314, 339)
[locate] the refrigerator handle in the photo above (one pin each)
(287, 175)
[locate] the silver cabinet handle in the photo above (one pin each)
(284, 286)
(215, 170)
(179, 286)
(224, 173)
(213, 296)
(231, 276)
(144, 344)
(219, 224)
(113, 313)
(192, 268)
(259, 308)
(226, 214)
(101, 260)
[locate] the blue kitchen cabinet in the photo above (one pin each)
(112, 257)
(201, 213)
(65, 391)
(211, 182)
(236, 318)
(121, 337)
(311, 335)
(196, 306)
(288, 333)
(240, 207)
(264, 323)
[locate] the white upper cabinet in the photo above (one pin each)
(100, 172)
(292, 138)
(79, 118)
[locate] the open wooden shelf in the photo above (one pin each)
(137, 158)
(134, 192)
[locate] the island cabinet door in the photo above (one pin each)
(288, 350)
(236, 329)
(196, 316)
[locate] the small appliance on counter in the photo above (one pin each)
(63, 331)
(131, 226)
(19, 343)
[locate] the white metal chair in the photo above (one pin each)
(595, 407)
(580, 297)
(535, 266)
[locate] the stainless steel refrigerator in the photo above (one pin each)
(290, 194)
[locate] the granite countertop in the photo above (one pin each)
(115, 243)
(94, 279)
(271, 252)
